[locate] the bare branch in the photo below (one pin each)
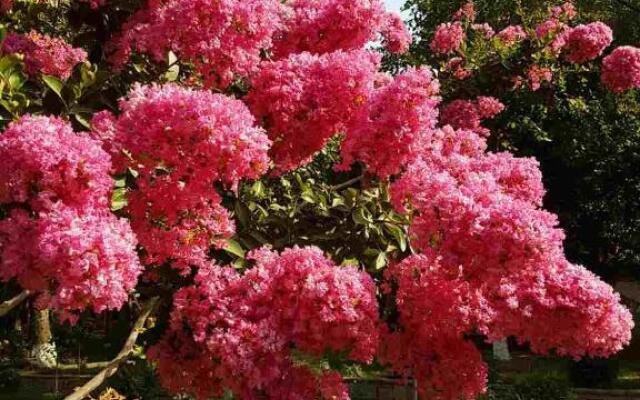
(348, 183)
(85, 390)
(9, 305)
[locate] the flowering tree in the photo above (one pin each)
(290, 205)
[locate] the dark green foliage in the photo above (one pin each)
(594, 373)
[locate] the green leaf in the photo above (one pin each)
(119, 199)
(381, 260)
(82, 121)
(234, 248)
(54, 84)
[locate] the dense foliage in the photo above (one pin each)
(294, 208)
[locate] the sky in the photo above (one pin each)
(393, 4)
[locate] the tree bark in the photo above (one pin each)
(44, 349)
(10, 304)
(501, 350)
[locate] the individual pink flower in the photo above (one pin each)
(448, 38)
(537, 75)
(587, 42)
(512, 34)
(222, 43)
(466, 12)
(621, 69)
(305, 100)
(43, 54)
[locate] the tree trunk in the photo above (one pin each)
(501, 350)
(44, 349)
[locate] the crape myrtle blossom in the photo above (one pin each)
(223, 43)
(621, 69)
(395, 124)
(512, 34)
(306, 99)
(43, 161)
(448, 38)
(497, 257)
(243, 331)
(466, 12)
(466, 114)
(537, 75)
(44, 54)
(324, 26)
(396, 36)
(60, 239)
(586, 42)
(181, 142)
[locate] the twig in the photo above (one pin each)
(348, 183)
(86, 389)
(9, 305)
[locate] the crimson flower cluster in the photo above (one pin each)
(248, 333)
(227, 40)
(60, 237)
(43, 54)
(306, 99)
(181, 142)
(495, 260)
(465, 114)
(323, 26)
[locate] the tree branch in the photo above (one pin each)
(347, 183)
(86, 389)
(9, 305)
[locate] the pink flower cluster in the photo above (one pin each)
(496, 261)
(466, 12)
(395, 125)
(621, 69)
(537, 75)
(435, 309)
(323, 26)
(448, 38)
(43, 54)
(396, 37)
(484, 30)
(587, 42)
(306, 99)
(512, 34)
(243, 332)
(223, 42)
(60, 237)
(465, 114)
(181, 142)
